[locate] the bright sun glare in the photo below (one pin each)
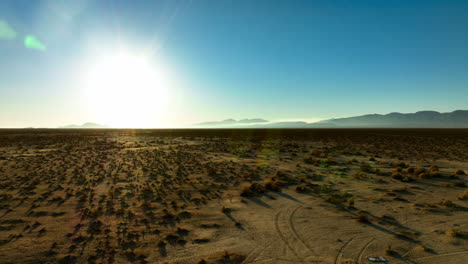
(125, 90)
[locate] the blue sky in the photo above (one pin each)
(278, 60)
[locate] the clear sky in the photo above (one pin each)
(70, 62)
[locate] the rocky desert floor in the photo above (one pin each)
(234, 196)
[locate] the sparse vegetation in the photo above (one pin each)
(142, 196)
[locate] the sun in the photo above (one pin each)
(124, 90)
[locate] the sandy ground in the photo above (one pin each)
(227, 196)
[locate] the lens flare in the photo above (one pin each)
(31, 42)
(6, 31)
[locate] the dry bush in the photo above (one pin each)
(456, 233)
(459, 172)
(447, 203)
(363, 218)
(360, 175)
(324, 163)
(464, 195)
(301, 188)
(253, 189)
(212, 171)
(350, 202)
(434, 171)
(419, 170)
(273, 185)
(424, 175)
(407, 178)
(401, 164)
(389, 251)
(226, 210)
(397, 176)
(365, 168)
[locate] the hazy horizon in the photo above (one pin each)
(152, 64)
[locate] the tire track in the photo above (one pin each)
(188, 251)
(294, 231)
(340, 251)
(253, 255)
(448, 222)
(281, 235)
(363, 249)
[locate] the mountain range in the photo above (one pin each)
(232, 123)
(421, 119)
(85, 125)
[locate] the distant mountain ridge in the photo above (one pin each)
(86, 125)
(231, 122)
(421, 119)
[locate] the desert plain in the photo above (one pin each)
(233, 196)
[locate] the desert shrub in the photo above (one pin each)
(273, 185)
(397, 176)
(252, 190)
(389, 251)
(419, 170)
(68, 259)
(226, 210)
(363, 218)
(161, 244)
(407, 178)
(301, 188)
(212, 171)
(434, 171)
(284, 176)
(324, 163)
(397, 169)
(447, 203)
(424, 175)
(309, 160)
(359, 175)
(464, 195)
(456, 233)
(328, 162)
(365, 167)
(335, 199)
(459, 172)
(351, 202)
(460, 184)
(401, 164)
(315, 177)
(94, 227)
(410, 170)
